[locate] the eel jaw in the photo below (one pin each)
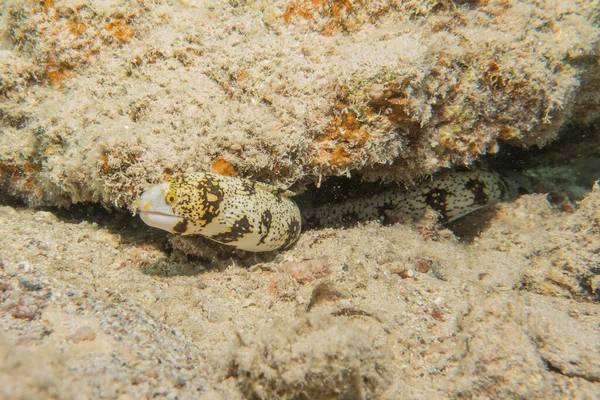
(160, 220)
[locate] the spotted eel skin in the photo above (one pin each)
(257, 217)
(233, 211)
(453, 194)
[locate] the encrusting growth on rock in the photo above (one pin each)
(100, 100)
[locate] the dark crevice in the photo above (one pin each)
(549, 367)
(552, 368)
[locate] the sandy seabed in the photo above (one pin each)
(103, 309)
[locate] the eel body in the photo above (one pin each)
(257, 217)
(233, 211)
(453, 194)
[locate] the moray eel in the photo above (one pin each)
(233, 211)
(257, 217)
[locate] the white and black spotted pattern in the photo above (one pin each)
(256, 217)
(453, 194)
(233, 211)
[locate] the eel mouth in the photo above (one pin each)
(161, 220)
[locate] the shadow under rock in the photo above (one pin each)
(130, 228)
(471, 226)
(185, 255)
(177, 263)
(216, 255)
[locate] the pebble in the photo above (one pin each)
(83, 334)
(45, 217)
(24, 266)
(8, 210)
(29, 286)
(423, 265)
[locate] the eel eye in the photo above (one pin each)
(170, 198)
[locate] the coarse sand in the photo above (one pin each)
(104, 308)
